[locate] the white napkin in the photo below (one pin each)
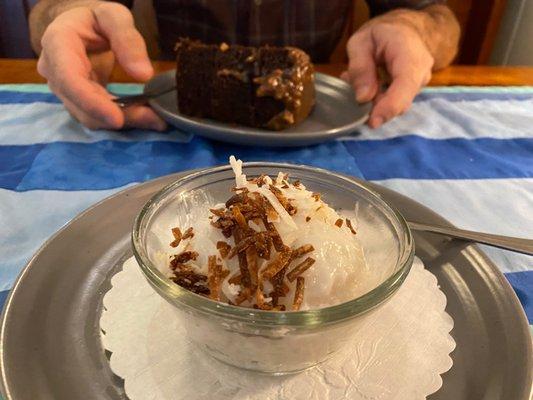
(399, 352)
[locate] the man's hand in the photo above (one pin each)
(79, 48)
(408, 44)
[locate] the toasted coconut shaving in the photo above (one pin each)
(302, 250)
(192, 281)
(300, 269)
(251, 261)
(215, 276)
(183, 258)
(245, 243)
(263, 246)
(259, 181)
(223, 248)
(219, 212)
(276, 238)
(244, 295)
(185, 276)
(243, 266)
(176, 232)
(285, 203)
(249, 216)
(275, 190)
(350, 226)
(235, 199)
(298, 294)
(280, 288)
(235, 279)
(189, 233)
(281, 261)
(260, 300)
(239, 218)
(279, 209)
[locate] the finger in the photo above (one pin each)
(42, 68)
(102, 63)
(362, 68)
(135, 117)
(94, 100)
(82, 117)
(68, 71)
(345, 76)
(373, 122)
(116, 24)
(395, 101)
(143, 117)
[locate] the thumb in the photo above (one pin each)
(116, 23)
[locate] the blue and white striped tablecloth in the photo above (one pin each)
(466, 153)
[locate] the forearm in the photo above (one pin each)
(436, 25)
(45, 11)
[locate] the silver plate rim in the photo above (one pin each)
(477, 255)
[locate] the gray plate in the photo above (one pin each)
(50, 339)
(336, 113)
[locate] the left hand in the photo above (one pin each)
(390, 42)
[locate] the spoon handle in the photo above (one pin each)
(519, 245)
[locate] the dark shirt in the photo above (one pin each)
(315, 26)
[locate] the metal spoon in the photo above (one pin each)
(125, 101)
(519, 245)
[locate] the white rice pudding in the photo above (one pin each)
(339, 272)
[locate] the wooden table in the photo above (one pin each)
(24, 71)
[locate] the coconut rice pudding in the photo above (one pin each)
(273, 245)
(271, 272)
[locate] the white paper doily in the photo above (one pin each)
(399, 353)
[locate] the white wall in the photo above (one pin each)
(514, 43)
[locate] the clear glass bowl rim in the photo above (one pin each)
(307, 318)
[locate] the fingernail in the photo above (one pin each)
(363, 93)
(344, 76)
(143, 68)
(113, 122)
(159, 125)
(376, 122)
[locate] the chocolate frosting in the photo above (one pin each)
(293, 86)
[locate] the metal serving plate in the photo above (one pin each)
(336, 113)
(50, 337)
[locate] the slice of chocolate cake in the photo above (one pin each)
(266, 87)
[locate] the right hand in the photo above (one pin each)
(78, 53)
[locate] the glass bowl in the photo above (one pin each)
(268, 341)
